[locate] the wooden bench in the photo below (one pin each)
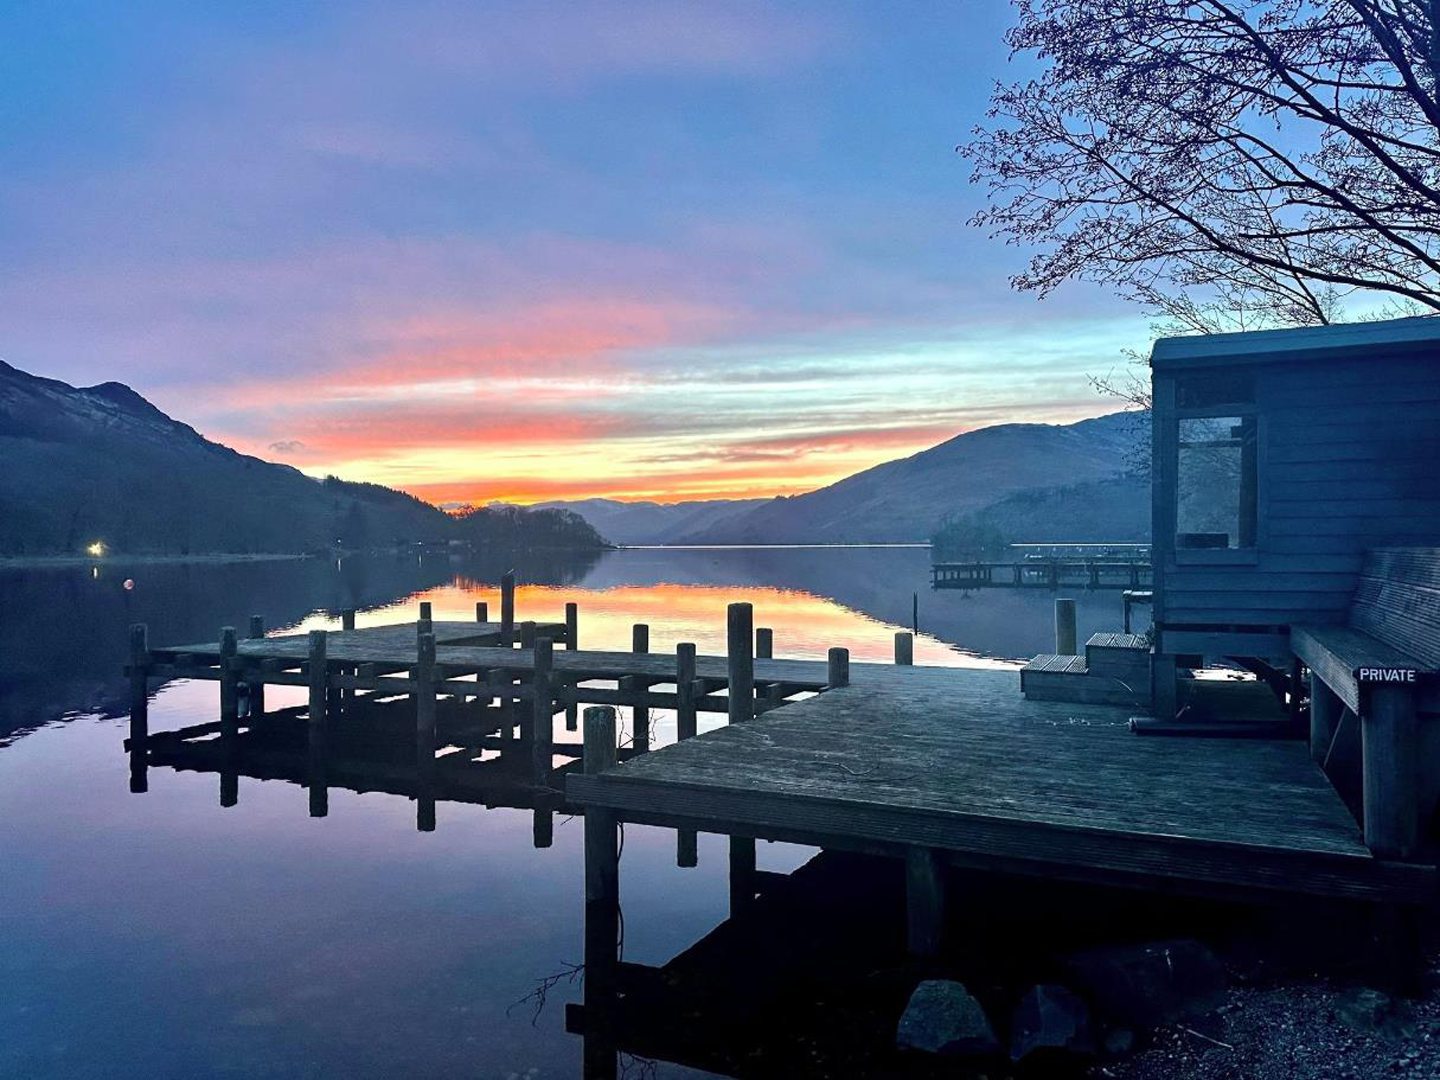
(1384, 667)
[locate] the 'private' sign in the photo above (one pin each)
(1385, 675)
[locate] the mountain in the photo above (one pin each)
(908, 499)
(654, 523)
(101, 463)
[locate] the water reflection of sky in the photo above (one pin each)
(161, 935)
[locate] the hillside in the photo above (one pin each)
(102, 463)
(907, 499)
(654, 523)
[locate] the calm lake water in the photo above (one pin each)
(161, 935)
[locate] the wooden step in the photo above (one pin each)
(1050, 677)
(1125, 656)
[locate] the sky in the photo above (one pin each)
(493, 251)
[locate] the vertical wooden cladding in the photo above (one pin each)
(1346, 462)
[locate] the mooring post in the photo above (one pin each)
(1389, 735)
(639, 687)
(915, 612)
(572, 642)
(740, 657)
(527, 635)
(229, 679)
(904, 648)
(507, 605)
(764, 643)
(602, 855)
(838, 668)
(924, 901)
(1065, 627)
(687, 852)
(255, 686)
(347, 619)
(742, 874)
(139, 706)
(542, 712)
(482, 611)
(427, 611)
(602, 900)
(425, 733)
(316, 727)
(542, 827)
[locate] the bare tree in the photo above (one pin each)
(1231, 164)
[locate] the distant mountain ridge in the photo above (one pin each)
(652, 522)
(101, 463)
(1043, 481)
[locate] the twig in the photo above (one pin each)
(1207, 1038)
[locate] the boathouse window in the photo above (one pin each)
(1216, 483)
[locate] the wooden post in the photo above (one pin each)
(687, 851)
(527, 635)
(425, 733)
(602, 900)
(347, 619)
(1389, 734)
(924, 901)
(507, 605)
(316, 727)
(427, 611)
(1065, 627)
(838, 669)
(1165, 685)
(602, 855)
(572, 641)
(915, 612)
(764, 643)
(1325, 711)
(317, 677)
(740, 641)
(542, 827)
(229, 680)
(256, 686)
(482, 611)
(742, 874)
(139, 707)
(542, 713)
(904, 648)
(640, 643)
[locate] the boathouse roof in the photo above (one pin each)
(1393, 336)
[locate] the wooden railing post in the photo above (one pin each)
(764, 643)
(639, 643)
(542, 714)
(482, 611)
(425, 733)
(904, 648)
(1065, 637)
(507, 605)
(740, 644)
(687, 851)
(139, 707)
(838, 668)
(229, 680)
(1389, 734)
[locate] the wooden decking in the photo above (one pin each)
(955, 762)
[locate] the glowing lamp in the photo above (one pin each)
(97, 548)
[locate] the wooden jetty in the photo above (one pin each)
(1042, 573)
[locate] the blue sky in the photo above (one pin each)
(530, 250)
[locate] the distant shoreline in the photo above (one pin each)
(30, 562)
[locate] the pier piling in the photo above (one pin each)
(639, 643)
(1065, 637)
(542, 716)
(904, 648)
(740, 645)
(507, 605)
(838, 669)
(764, 643)
(687, 852)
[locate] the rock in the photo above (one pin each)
(1050, 1018)
(1143, 986)
(1373, 1012)
(942, 1018)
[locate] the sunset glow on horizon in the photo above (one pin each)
(640, 251)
